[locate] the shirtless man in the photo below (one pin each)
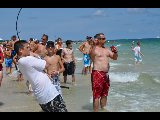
(69, 61)
(8, 58)
(1, 66)
(13, 40)
(40, 51)
(55, 64)
(100, 78)
(59, 47)
(44, 39)
(13, 53)
(85, 49)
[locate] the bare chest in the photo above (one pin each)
(68, 52)
(52, 60)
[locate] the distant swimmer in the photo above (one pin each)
(137, 53)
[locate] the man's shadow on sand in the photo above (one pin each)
(1, 103)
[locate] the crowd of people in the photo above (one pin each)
(48, 60)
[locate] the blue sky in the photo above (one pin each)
(77, 23)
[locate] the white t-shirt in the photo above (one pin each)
(137, 50)
(32, 69)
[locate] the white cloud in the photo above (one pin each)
(99, 13)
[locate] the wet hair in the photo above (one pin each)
(19, 45)
(68, 42)
(50, 44)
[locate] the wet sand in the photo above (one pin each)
(14, 95)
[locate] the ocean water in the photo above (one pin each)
(134, 88)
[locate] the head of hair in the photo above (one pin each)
(36, 41)
(59, 39)
(138, 43)
(19, 45)
(31, 39)
(96, 35)
(50, 44)
(14, 36)
(68, 42)
(99, 34)
(88, 37)
(44, 35)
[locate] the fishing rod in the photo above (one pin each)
(17, 23)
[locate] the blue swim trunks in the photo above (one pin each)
(9, 62)
(87, 60)
(138, 58)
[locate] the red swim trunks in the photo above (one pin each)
(100, 84)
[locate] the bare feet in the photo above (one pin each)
(74, 84)
(30, 93)
(104, 109)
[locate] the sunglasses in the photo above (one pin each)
(101, 38)
(43, 38)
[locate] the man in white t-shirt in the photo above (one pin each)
(137, 53)
(33, 70)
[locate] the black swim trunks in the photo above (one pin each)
(59, 52)
(69, 68)
(56, 105)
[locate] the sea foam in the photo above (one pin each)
(123, 77)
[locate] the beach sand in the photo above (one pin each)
(14, 95)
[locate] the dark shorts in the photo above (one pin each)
(69, 68)
(56, 105)
(59, 52)
(1, 67)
